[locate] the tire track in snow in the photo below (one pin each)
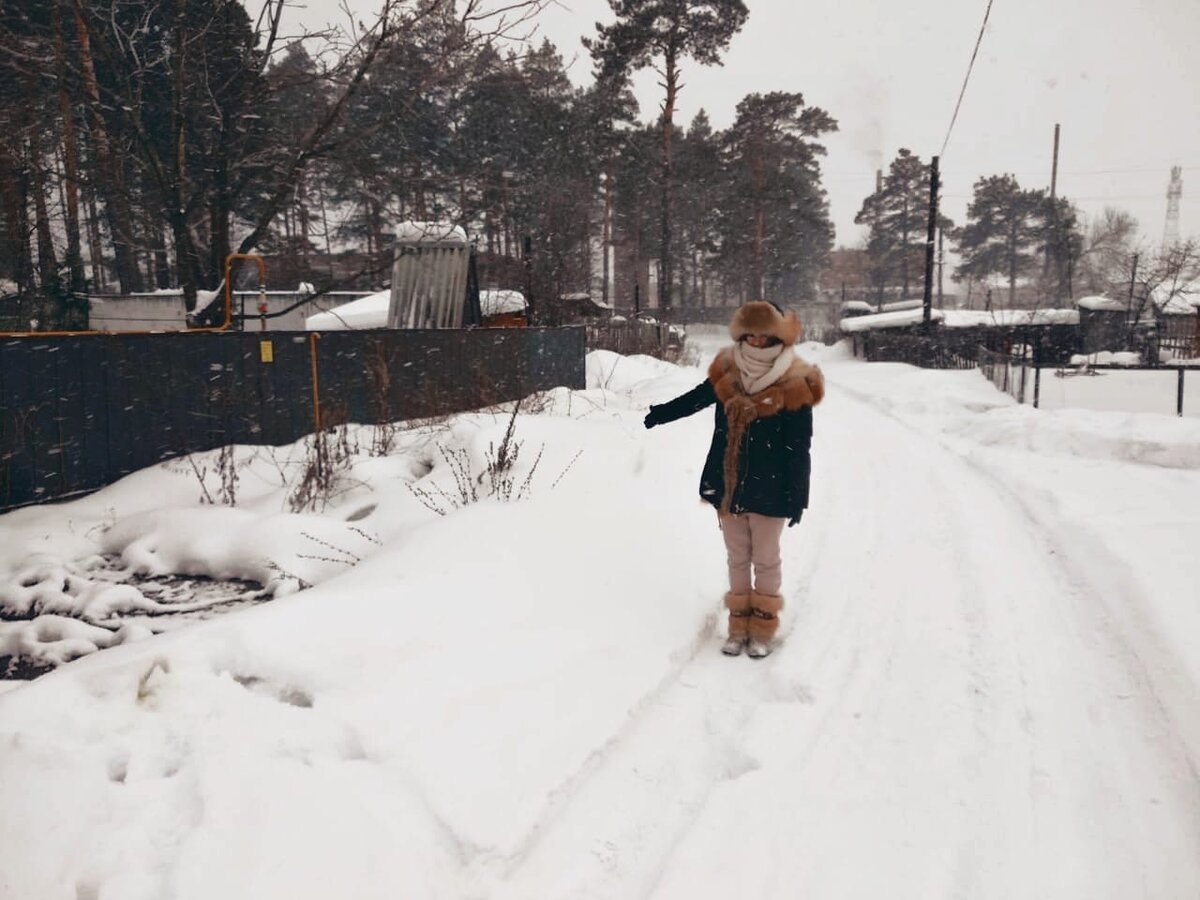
(1091, 572)
(959, 741)
(969, 736)
(611, 827)
(1137, 781)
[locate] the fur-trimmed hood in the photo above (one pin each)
(801, 385)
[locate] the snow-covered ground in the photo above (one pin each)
(987, 683)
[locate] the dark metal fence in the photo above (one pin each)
(77, 413)
(1006, 373)
(957, 348)
(914, 346)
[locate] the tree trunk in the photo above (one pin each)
(95, 246)
(665, 273)
(1012, 265)
(116, 203)
(78, 277)
(219, 213)
(14, 187)
(162, 263)
(302, 215)
(47, 260)
(325, 228)
(758, 272)
(606, 241)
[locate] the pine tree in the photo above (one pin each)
(1002, 233)
(776, 231)
(700, 178)
(897, 216)
(1062, 242)
(649, 31)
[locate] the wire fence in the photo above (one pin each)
(632, 337)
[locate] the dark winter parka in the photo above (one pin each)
(761, 440)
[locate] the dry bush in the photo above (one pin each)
(497, 480)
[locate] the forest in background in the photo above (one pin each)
(143, 141)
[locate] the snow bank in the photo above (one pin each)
(523, 699)
(1084, 434)
(365, 312)
(347, 728)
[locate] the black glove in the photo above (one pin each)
(654, 417)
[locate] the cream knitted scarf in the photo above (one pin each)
(761, 367)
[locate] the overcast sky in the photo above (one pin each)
(1121, 76)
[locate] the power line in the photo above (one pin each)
(967, 77)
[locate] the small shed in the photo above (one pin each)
(503, 309)
(1103, 324)
(430, 276)
(1177, 323)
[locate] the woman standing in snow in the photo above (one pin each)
(757, 470)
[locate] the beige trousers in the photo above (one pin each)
(753, 540)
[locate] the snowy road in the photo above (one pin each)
(986, 685)
(953, 714)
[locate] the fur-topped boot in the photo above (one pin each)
(739, 623)
(763, 623)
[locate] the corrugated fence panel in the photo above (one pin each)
(77, 413)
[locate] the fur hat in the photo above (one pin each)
(762, 317)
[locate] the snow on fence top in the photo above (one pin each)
(973, 318)
(430, 232)
(899, 319)
(897, 305)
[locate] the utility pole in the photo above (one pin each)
(1132, 282)
(1053, 244)
(929, 237)
(1174, 193)
(874, 231)
(1054, 166)
(941, 263)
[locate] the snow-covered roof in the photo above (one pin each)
(899, 319)
(496, 302)
(365, 312)
(1177, 299)
(1101, 303)
(430, 232)
(1181, 305)
(971, 318)
(585, 297)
